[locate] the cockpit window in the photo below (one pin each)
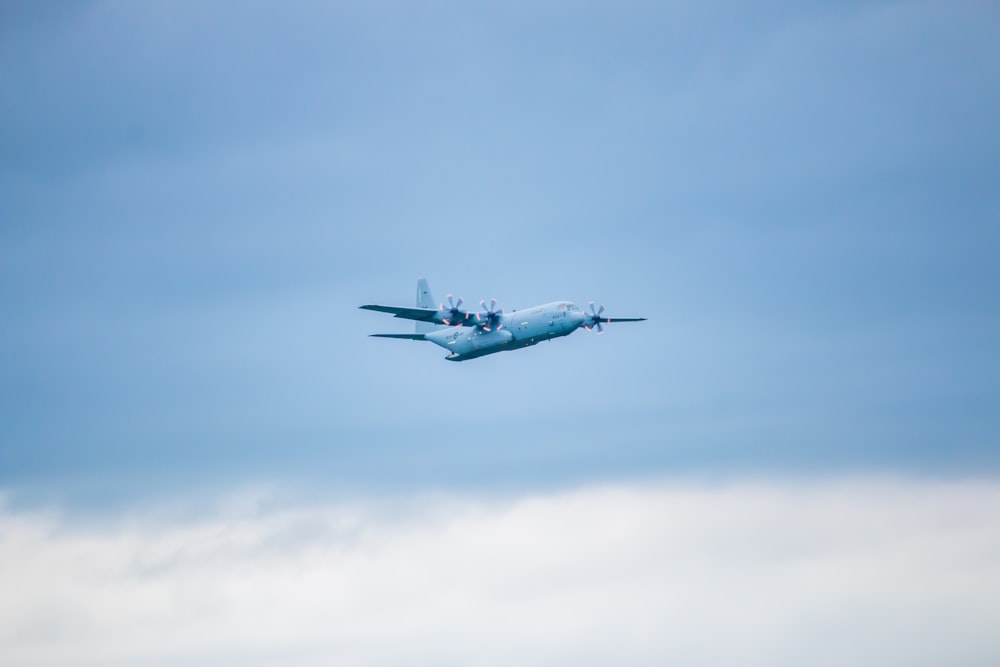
(571, 306)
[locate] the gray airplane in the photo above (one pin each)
(469, 335)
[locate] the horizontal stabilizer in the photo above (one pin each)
(412, 336)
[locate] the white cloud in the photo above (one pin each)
(869, 572)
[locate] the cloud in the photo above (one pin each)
(860, 572)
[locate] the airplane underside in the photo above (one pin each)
(515, 344)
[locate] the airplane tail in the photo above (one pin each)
(425, 300)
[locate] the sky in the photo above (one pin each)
(197, 434)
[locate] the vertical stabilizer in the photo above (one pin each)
(425, 300)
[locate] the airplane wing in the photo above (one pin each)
(623, 319)
(419, 314)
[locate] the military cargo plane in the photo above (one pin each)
(468, 335)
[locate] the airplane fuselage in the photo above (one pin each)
(519, 328)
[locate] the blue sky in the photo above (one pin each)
(195, 198)
(802, 200)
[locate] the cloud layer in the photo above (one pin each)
(861, 572)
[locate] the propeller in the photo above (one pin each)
(455, 315)
(593, 321)
(492, 318)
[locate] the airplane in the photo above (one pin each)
(470, 335)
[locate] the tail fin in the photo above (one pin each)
(425, 300)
